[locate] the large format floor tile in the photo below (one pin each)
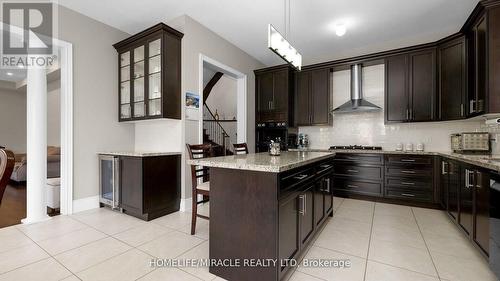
(44, 270)
(403, 256)
(21, 256)
(345, 241)
(91, 254)
(54, 227)
(11, 238)
(361, 214)
(142, 234)
(130, 265)
(381, 272)
(171, 245)
(353, 273)
(162, 274)
(199, 252)
(393, 210)
(400, 235)
(71, 240)
(176, 220)
(460, 269)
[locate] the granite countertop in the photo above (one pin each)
(264, 162)
(491, 162)
(139, 153)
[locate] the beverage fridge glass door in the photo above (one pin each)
(109, 180)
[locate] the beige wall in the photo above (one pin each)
(96, 126)
(13, 120)
(197, 40)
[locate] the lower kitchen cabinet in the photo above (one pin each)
(451, 175)
(360, 174)
(150, 187)
(307, 202)
(466, 197)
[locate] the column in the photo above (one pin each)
(36, 146)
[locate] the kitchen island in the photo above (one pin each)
(265, 210)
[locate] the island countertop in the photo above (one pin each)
(263, 162)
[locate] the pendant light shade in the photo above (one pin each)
(279, 45)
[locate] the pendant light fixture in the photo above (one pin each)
(280, 45)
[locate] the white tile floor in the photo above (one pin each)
(383, 242)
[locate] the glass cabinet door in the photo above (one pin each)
(154, 78)
(138, 80)
(125, 85)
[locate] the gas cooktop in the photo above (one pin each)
(355, 147)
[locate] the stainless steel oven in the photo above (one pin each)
(109, 180)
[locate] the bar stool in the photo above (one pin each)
(199, 151)
(240, 148)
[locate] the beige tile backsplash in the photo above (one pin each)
(369, 129)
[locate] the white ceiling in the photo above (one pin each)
(372, 25)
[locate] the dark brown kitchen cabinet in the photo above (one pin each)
(289, 240)
(323, 200)
(150, 187)
(274, 94)
(411, 87)
(149, 74)
(452, 79)
(444, 183)
(455, 172)
(312, 97)
(483, 38)
(466, 199)
(306, 214)
(481, 234)
(478, 66)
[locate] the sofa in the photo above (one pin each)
(53, 165)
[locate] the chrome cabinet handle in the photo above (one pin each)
(303, 203)
(407, 114)
(407, 160)
(327, 185)
(408, 195)
(353, 171)
(408, 172)
(300, 177)
(352, 186)
(472, 104)
(462, 109)
(443, 168)
(407, 183)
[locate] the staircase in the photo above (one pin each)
(214, 134)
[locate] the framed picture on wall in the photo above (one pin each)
(192, 106)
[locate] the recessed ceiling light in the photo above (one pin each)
(10, 73)
(340, 29)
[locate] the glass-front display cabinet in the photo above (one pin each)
(149, 70)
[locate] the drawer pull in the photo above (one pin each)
(407, 160)
(407, 195)
(300, 177)
(353, 171)
(407, 183)
(352, 186)
(407, 172)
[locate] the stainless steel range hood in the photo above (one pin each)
(357, 103)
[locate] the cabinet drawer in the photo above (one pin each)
(409, 171)
(408, 194)
(409, 183)
(356, 186)
(365, 172)
(408, 159)
(374, 159)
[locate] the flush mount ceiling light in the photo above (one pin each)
(340, 29)
(280, 46)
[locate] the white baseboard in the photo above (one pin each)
(185, 205)
(85, 204)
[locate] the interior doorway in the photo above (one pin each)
(56, 84)
(228, 126)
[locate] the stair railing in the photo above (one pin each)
(216, 132)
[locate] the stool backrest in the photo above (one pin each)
(240, 148)
(199, 151)
(7, 162)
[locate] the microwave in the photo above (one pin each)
(478, 142)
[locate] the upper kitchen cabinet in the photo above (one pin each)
(312, 96)
(149, 74)
(452, 79)
(274, 94)
(410, 83)
(483, 38)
